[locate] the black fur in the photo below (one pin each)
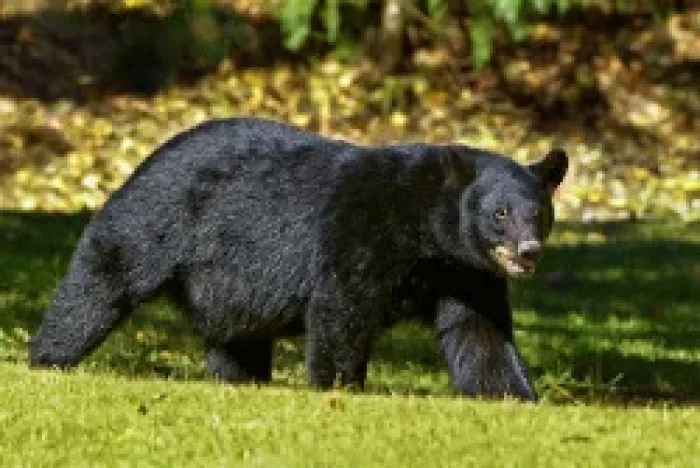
(260, 230)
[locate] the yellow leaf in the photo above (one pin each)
(399, 119)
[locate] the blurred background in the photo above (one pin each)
(88, 88)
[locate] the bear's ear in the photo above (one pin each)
(458, 172)
(551, 169)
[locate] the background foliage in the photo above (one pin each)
(89, 89)
(476, 21)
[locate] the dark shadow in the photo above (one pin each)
(34, 253)
(621, 277)
(88, 53)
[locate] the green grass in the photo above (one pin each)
(99, 419)
(613, 348)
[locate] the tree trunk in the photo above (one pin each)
(391, 35)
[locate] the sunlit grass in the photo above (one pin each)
(87, 419)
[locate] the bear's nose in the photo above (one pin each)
(530, 250)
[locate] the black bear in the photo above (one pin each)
(259, 230)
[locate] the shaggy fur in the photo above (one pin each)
(259, 230)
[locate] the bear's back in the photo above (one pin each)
(235, 207)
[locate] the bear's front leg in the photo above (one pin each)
(325, 364)
(338, 344)
(480, 353)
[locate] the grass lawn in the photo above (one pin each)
(101, 419)
(609, 327)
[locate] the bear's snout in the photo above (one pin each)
(530, 250)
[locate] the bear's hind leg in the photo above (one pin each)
(85, 308)
(242, 360)
(98, 291)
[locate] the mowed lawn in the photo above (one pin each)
(610, 327)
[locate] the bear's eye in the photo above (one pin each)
(500, 214)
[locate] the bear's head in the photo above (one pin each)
(495, 213)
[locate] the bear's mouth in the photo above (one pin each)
(511, 263)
